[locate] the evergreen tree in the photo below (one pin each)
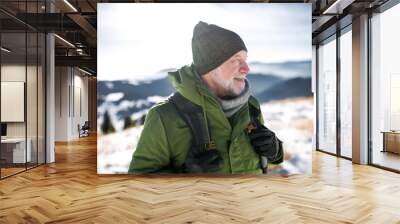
(128, 122)
(107, 126)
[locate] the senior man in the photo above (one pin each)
(211, 124)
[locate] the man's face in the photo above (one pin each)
(228, 80)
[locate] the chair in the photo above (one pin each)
(84, 130)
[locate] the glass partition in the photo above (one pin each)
(22, 78)
(14, 153)
(31, 100)
(41, 110)
(327, 96)
(32, 86)
(346, 93)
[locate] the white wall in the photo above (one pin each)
(71, 94)
(62, 81)
(16, 73)
(314, 91)
(33, 126)
(12, 73)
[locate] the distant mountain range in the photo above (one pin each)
(267, 82)
(133, 91)
(295, 87)
(285, 70)
(260, 82)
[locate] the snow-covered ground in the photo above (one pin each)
(291, 120)
(114, 151)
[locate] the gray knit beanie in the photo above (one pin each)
(213, 45)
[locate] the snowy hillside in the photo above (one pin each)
(288, 69)
(130, 98)
(291, 120)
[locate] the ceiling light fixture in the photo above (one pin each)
(79, 51)
(64, 40)
(71, 6)
(86, 72)
(337, 7)
(5, 50)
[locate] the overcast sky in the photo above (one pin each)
(135, 41)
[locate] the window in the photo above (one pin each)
(385, 88)
(346, 93)
(327, 96)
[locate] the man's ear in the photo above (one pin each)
(207, 75)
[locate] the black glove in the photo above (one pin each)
(264, 141)
(203, 162)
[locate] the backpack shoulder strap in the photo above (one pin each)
(192, 114)
(254, 110)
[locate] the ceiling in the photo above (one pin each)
(329, 16)
(75, 23)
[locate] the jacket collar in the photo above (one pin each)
(188, 83)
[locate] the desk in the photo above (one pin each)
(391, 141)
(15, 148)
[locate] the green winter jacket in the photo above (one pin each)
(166, 138)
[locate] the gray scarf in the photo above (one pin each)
(231, 106)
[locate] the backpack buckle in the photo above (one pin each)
(210, 146)
(250, 127)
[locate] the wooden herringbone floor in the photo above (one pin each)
(70, 191)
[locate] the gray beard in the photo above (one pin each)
(231, 104)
